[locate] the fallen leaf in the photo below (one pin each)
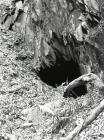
(51, 107)
(46, 109)
(26, 111)
(26, 125)
(94, 4)
(79, 33)
(12, 137)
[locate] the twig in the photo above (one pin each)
(94, 114)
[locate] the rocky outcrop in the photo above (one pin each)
(67, 36)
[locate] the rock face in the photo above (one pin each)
(67, 37)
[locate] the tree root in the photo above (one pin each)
(93, 78)
(94, 114)
(84, 79)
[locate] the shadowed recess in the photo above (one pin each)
(56, 75)
(65, 67)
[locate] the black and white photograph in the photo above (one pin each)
(51, 69)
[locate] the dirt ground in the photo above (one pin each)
(32, 110)
(22, 97)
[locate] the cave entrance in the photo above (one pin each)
(62, 64)
(66, 71)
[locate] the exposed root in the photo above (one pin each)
(84, 79)
(93, 78)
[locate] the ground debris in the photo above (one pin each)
(25, 101)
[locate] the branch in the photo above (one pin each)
(84, 79)
(94, 114)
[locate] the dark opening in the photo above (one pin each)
(56, 75)
(65, 67)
